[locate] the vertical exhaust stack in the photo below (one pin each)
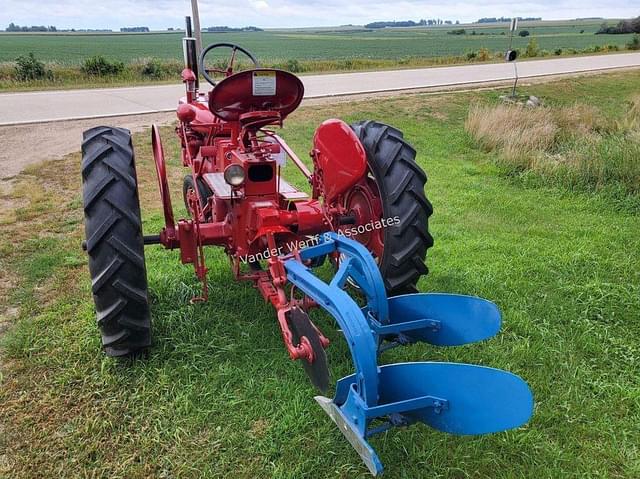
(190, 52)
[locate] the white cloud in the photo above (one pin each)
(259, 5)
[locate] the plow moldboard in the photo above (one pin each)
(462, 319)
(480, 400)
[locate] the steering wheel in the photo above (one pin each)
(208, 73)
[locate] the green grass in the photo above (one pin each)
(218, 396)
(314, 50)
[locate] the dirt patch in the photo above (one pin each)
(57, 139)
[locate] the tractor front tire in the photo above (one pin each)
(203, 191)
(114, 241)
(400, 181)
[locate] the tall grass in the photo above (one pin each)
(576, 146)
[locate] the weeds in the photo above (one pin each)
(576, 146)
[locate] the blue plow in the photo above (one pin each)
(454, 398)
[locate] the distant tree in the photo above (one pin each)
(506, 19)
(623, 26)
(36, 28)
(224, 29)
(524, 33)
(134, 29)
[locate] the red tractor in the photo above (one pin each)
(366, 212)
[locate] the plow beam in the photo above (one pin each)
(454, 398)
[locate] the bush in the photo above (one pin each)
(532, 48)
(471, 55)
(459, 31)
(524, 33)
(294, 66)
(154, 68)
(634, 43)
(30, 68)
(100, 66)
(558, 51)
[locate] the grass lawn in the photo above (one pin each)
(218, 396)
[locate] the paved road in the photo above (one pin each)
(20, 108)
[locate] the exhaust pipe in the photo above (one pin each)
(190, 52)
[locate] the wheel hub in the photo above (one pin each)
(363, 202)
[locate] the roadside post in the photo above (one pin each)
(512, 55)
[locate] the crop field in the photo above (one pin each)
(218, 396)
(305, 45)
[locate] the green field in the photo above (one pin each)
(218, 397)
(157, 57)
(275, 46)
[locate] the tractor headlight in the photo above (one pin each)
(234, 175)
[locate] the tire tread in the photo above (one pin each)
(115, 244)
(401, 182)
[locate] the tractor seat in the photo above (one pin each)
(273, 93)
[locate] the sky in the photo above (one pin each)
(161, 14)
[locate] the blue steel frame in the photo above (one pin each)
(455, 398)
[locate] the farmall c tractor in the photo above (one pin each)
(365, 212)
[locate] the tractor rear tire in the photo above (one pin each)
(114, 241)
(400, 181)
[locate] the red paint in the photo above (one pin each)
(231, 126)
(340, 156)
(233, 96)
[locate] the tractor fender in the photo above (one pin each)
(169, 231)
(339, 156)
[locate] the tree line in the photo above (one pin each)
(623, 26)
(224, 28)
(34, 28)
(411, 23)
(507, 19)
